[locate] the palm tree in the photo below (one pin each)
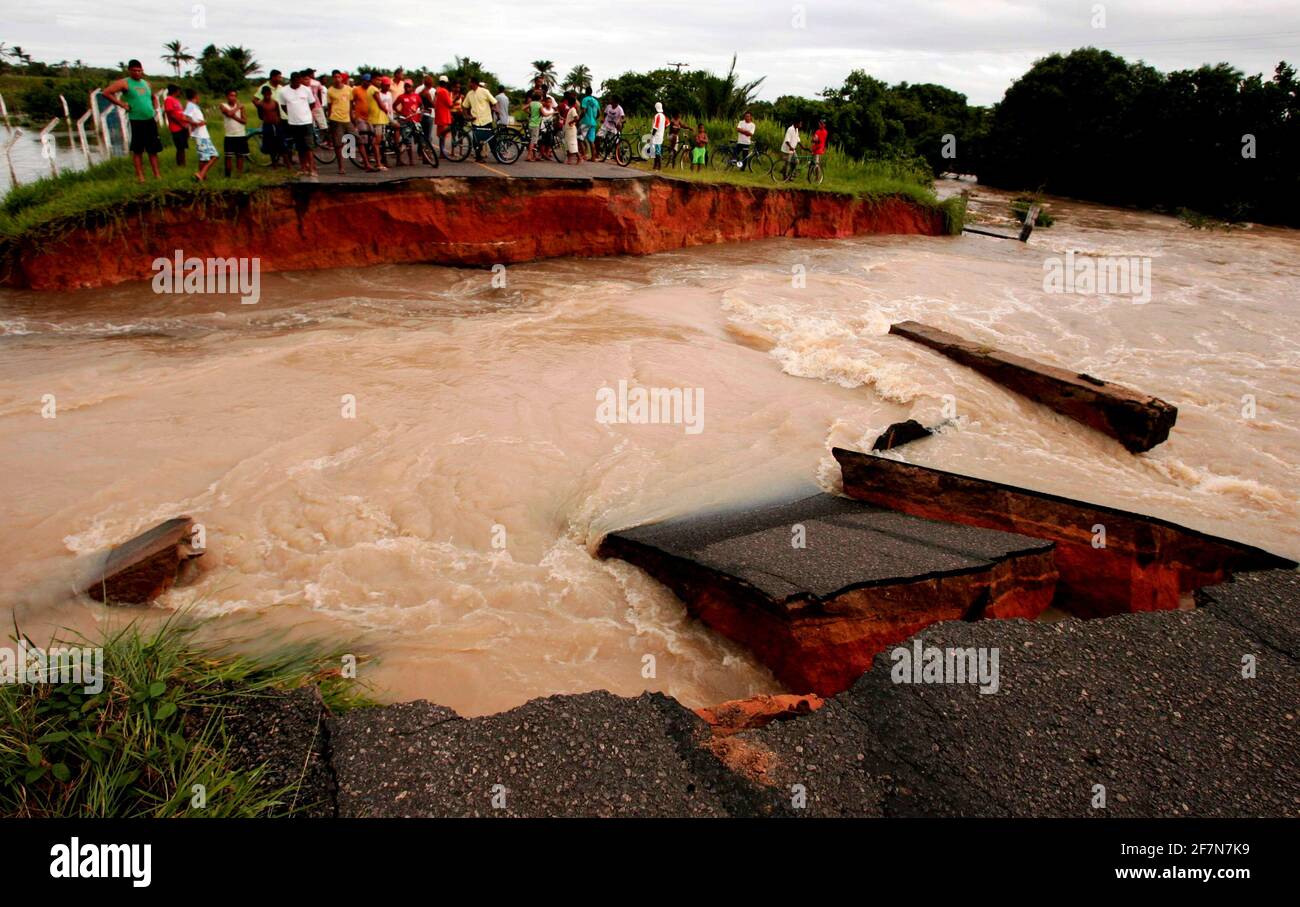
(177, 53)
(243, 58)
(544, 69)
(462, 69)
(579, 78)
(725, 98)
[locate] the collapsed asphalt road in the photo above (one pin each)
(1182, 713)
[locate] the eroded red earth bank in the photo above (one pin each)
(454, 221)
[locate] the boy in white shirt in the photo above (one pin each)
(207, 151)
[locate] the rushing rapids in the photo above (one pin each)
(448, 525)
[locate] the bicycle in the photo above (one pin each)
(396, 134)
(322, 148)
(751, 158)
(502, 143)
(550, 142)
(612, 144)
(787, 171)
(683, 158)
(257, 156)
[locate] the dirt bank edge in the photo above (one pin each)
(463, 221)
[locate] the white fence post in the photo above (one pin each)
(100, 129)
(13, 137)
(47, 146)
(126, 130)
(81, 131)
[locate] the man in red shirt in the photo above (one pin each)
(442, 105)
(407, 108)
(176, 122)
(819, 142)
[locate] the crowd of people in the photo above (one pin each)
(360, 115)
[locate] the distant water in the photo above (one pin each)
(30, 164)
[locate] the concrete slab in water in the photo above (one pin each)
(865, 577)
(846, 544)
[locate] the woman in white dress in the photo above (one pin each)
(571, 117)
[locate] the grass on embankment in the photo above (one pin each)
(50, 206)
(863, 179)
(844, 174)
(137, 748)
(47, 207)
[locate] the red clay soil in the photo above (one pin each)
(826, 650)
(453, 221)
(738, 715)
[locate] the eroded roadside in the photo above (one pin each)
(1168, 713)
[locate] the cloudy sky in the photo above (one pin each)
(974, 46)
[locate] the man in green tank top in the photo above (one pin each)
(139, 110)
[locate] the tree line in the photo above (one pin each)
(1087, 124)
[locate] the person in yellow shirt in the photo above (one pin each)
(338, 97)
(377, 116)
(479, 103)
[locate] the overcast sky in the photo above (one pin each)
(974, 46)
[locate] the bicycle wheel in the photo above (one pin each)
(623, 152)
(558, 150)
(428, 153)
(461, 145)
(355, 157)
(323, 149)
(815, 175)
(760, 164)
(504, 148)
(256, 156)
(682, 158)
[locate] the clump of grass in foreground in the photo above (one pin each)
(108, 189)
(157, 728)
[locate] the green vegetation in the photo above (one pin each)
(157, 728)
(865, 117)
(1087, 124)
(1199, 221)
(1091, 125)
(1020, 210)
(107, 191)
(50, 207)
(870, 177)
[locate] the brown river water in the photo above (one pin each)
(447, 528)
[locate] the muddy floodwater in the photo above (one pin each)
(409, 458)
